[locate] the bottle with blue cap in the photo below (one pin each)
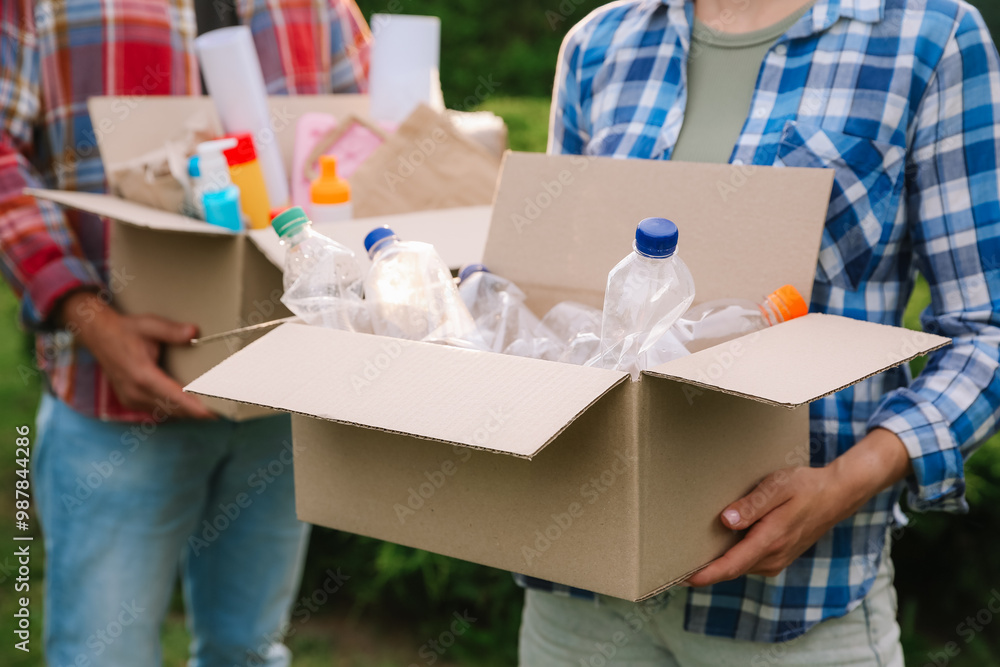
(646, 293)
(412, 294)
(322, 279)
(505, 322)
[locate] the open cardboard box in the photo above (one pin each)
(187, 270)
(566, 473)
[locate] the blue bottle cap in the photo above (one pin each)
(469, 269)
(656, 237)
(376, 235)
(194, 168)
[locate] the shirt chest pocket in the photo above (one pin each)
(866, 192)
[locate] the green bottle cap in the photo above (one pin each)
(290, 221)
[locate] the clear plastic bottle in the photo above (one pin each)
(721, 320)
(647, 292)
(322, 279)
(412, 294)
(506, 324)
(578, 327)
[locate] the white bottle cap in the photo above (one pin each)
(213, 165)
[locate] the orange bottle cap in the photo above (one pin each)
(328, 188)
(788, 302)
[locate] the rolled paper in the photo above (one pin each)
(235, 82)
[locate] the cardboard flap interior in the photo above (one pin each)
(494, 402)
(560, 223)
(128, 212)
(800, 360)
(458, 234)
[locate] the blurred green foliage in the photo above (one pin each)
(515, 43)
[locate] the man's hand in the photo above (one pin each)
(792, 508)
(128, 349)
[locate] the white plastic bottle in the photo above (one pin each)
(578, 328)
(412, 294)
(220, 198)
(647, 292)
(506, 324)
(721, 320)
(322, 279)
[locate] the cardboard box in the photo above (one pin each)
(573, 474)
(184, 269)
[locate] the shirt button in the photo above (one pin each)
(780, 50)
(760, 112)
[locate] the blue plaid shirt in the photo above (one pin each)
(901, 98)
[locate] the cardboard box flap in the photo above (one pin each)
(504, 404)
(562, 222)
(458, 234)
(128, 212)
(801, 360)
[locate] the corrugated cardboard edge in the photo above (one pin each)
(180, 225)
(624, 377)
(670, 584)
(792, 406)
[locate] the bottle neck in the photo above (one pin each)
(300, 235)
(381, 245)
(771, 312)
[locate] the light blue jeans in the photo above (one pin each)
(558, 631)
(124, 506)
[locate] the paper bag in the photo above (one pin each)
(427, 164)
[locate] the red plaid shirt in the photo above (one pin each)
(53, 56)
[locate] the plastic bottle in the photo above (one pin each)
(578, 327)
(322, 279)
(647, 292)
(330, 195)
(197, 187)
(412, 294)
(246, 174)
(721, 320)
(221, 199)
(506, 324)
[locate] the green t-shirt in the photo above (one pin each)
(722, 74)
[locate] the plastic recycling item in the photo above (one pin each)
(405, 62)
(413, 295)
(235, 82)
(506, 324)
(322, 279)
(244, 169)
(722, 320)
(646, 293)
(329, 194)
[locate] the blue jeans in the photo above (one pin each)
(124, 506)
